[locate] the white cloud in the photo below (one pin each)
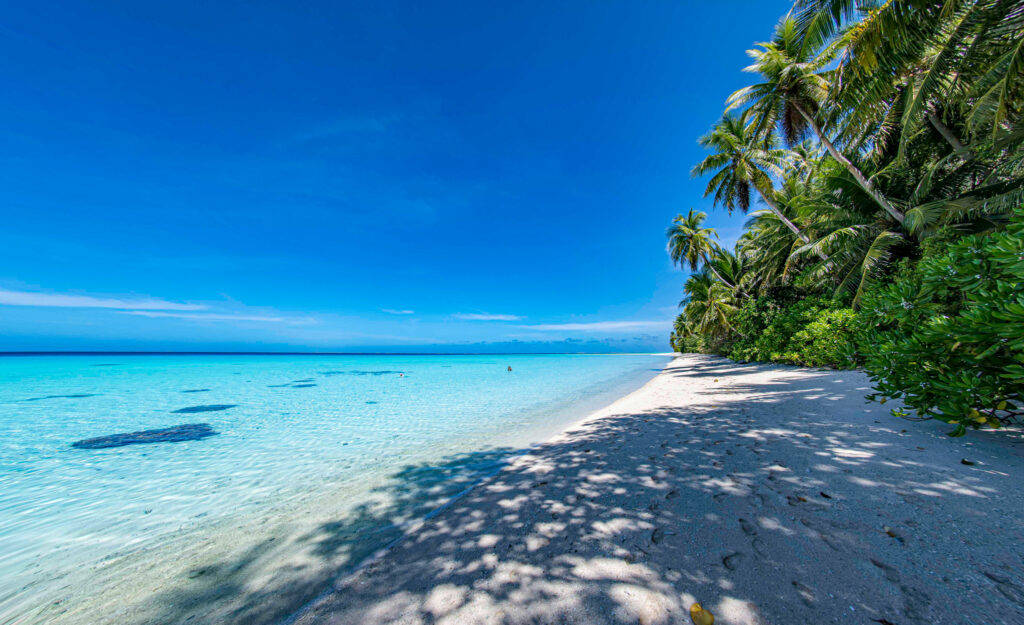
(63, 300)
(392, 311)
(218, 316)
(485, 317)
(600, 326)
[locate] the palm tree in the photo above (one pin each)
(688, 242)
(789, 97)
(691, 244)
(738, 162)
(767, 245)
(731, 269)
(708, 304)
(680, 330)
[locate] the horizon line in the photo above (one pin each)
(297, 353)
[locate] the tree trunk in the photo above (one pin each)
(950, 138)
(845, 162)
(778, 213)
(718, 275)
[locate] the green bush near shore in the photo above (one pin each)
(944, 334)
(947, 335)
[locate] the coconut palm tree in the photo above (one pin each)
(731, 268)
(739, 162)
(708, 304)
(790, 96)
(689, 243)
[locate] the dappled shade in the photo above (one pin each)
(774, 496)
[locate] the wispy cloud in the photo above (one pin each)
(485, 317)
(600, 326)
(65, 300)
(392, 311)
(218, 316)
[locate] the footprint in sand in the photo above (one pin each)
(732, 560)
(747, 527)
(1007, 588)
(805, 592)
(890, 572)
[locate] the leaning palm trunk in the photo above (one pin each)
(718, 275)
(789, 224)
(947, 134)
(845, 162)
(778, 213)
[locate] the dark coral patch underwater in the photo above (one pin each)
(72, 396)
(204, 408)
(176, 434)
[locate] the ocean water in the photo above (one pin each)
(288, 430)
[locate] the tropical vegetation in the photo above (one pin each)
(879, 157)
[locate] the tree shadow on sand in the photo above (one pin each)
(776, 499)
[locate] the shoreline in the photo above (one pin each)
(302, 611)
(196, 575)
(768, 493)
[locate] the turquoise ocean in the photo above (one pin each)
(284, 432)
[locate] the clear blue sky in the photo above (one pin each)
(372, 176)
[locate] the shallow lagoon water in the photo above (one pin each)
(289, 427)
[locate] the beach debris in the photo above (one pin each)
(892, 533)
(176, 434)
(203, 408)
(700, 616)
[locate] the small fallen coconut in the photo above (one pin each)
(700, 616)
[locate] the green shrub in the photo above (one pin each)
(828, 340)
(947, 335)
(812, 331)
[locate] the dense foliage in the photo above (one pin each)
(947, 336)
(885, 140)
(812, 331)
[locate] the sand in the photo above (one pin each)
(769, 494)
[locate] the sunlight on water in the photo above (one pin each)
(264, 430)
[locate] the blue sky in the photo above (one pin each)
(366, 176)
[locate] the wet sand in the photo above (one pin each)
(769, 494)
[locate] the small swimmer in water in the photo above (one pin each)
(510, 367)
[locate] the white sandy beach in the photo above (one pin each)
(769, 494)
